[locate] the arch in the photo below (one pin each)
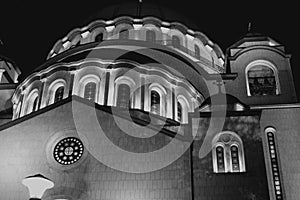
(126, 28)
(32, 101)
(151, 27)
(127, 86)
(262, 78)
(185, 107)
(53, 89)
(89, 82)
(59, 94)
(174, 33)
(234, 160)
(157, 94)
(95, 32)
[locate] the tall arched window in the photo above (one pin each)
(150, 36)
(220, 159)
(270, 132)
(197, 51)
(235, 158)
(59, 94)
(35, 104)
(175, 41)
(228, 153)
(183, 108)
(179, 111)
(32, 101)
(124, 34)
(99, 37)
(123, 99)
(155, 102)
(90, 91)
(262, 79)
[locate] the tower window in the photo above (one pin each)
(155, 102)
(262, 80)
(124, 34)
(59, 93)
(90, 91)
(150, 36)
(123, 99)
(228, 154)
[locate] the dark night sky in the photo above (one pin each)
(29, 29)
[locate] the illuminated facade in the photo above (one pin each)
(148, 83)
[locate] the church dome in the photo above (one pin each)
(128, 62)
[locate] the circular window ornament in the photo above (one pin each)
(68, 150)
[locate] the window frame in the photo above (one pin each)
(33, 95)
(52, 89)
(56, 93)
(84, 80)
(162, 93)
(234, 141)
(85, 88)
(266, 64)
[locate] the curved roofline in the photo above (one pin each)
(177, 25)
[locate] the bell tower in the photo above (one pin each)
(263, 68)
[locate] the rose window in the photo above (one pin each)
(68, 151)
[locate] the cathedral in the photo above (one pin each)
(145, 108)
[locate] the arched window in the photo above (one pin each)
(220, 159)
(183, 108)
(35, 104)
(235, 158)
(99, 37)
(155, 102)
(150, 36)
(123, 99)
(228, 154)
(124, 34)
(262, 79)
(270, 132)
(32, 101)
(59, 93)
(175, 41)
(197, 51)
(179, 111)
(90, 91)
(18, 110)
